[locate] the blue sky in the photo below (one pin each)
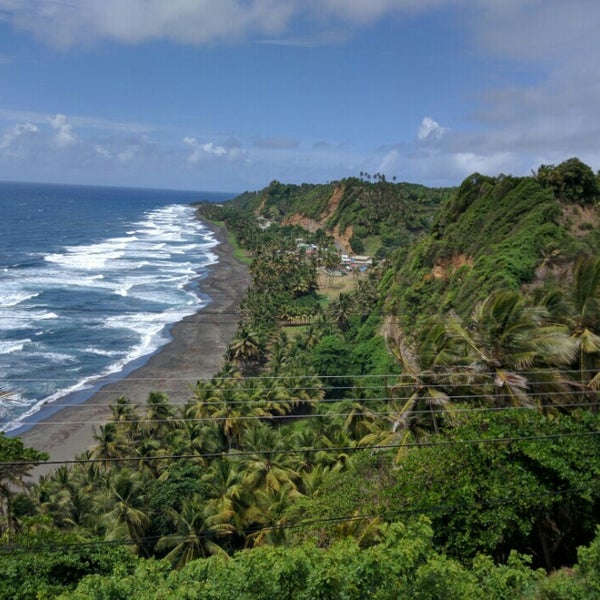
(228, 95)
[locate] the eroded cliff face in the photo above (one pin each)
(579, 220)
(444, 268)
(342, 238)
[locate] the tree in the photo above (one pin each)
(195, 534)
(246, 348)
(514, 350)
(586, 300)
(535, 492)
(109, 443)
(16, 462)
(571, 180)
(126, 516)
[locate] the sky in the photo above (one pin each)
(228, 95)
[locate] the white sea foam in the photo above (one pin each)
(150, 267)
(10, 298)
(10, 346)
(100, 351)
(56, 357)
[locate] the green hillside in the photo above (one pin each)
(369, 214)
(495, 233)
(420, 424)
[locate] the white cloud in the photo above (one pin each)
(79, 121)
(102, 151)
(133, 21)
(194, 21)
(201, 152)
(64, 136)
(493, 164)
(14, 139)
(430, 129)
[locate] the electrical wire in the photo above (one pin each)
(234, 453)
(386, 516)
(304, 417)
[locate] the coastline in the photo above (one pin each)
(196, 351)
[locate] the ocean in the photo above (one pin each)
(91, 280)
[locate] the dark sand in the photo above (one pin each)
(196, 352)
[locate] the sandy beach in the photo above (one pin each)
(195, 352)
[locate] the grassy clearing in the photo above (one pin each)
(332, 287)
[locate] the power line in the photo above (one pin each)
(290, 416)
(260, 396)
(466, 369)
(387, 516)
(234, 453)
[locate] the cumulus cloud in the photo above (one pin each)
(102, 151)
(64, 135)
(203, 151)
(15, 139)
(430, 129)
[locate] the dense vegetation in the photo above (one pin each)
(376, 215)
(432, 433)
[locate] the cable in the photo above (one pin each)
(234, 453)
(290, 416)
(466, 369)
(207, 533)
(260, 397)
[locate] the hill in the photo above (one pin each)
(433, 427)
(361, 215)
(508, 233)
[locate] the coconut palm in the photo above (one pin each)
(341, 311)
(514, 350)
(265, 463)
(246, 348)
(266, 515)
(61, 496)
(158, 417)
(269, 394)
(586, 300)
(196, 534)
(235, 414)
(126, 515)
(109, 443)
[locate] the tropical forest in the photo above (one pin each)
(408, 409)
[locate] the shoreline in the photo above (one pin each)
(196, 351)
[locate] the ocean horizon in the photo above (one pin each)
(91, 281)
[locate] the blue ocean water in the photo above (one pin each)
(91, 279)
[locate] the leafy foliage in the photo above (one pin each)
(413, 436)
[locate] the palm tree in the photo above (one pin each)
(123, 410)
(341, 311)
(586, 300)
(266, 515)
(418, 387)
(267, 466)
(270, 395)
(234, 414)
(246, 348)
(62, 496)
(126, 515)
(365, 530)
(279, 352)
(514, 350)
(195, 534)
(110, 443)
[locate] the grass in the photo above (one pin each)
(332, 287)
